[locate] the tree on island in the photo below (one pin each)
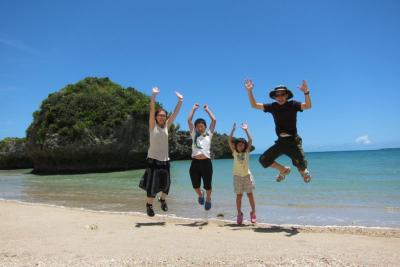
(96, 125)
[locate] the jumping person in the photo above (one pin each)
(157, 175)
(289, 142)
(201, 166)
(242, 178)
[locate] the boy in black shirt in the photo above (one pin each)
(289, 142)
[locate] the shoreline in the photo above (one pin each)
(40, 235)
(360, 229)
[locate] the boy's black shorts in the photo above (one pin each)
(201, 168)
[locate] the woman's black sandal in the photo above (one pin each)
(150, 211)
(164, 205)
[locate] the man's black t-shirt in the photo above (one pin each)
(285, 116)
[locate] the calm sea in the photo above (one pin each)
(348, 188)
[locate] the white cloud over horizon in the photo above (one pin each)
(19, 45)
(364, 140)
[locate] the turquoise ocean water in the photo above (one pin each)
(348, 188)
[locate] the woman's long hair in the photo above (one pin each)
(158, 111)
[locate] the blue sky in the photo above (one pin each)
(348, 51)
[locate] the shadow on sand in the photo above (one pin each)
(193, 224)
(138, 225)
(290, 231)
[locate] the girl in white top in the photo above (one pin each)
(201, 166)
(157, 176)
(242, 178)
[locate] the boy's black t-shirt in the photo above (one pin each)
(285, 116)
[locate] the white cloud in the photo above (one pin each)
(18, 45)
(364, 140)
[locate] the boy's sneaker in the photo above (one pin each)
(201, 199)
(150, 210)
(207, 206)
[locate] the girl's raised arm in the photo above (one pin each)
(230, 140)
(249, 137)
(176, 110)
(152, 116)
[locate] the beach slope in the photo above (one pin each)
(37, 235)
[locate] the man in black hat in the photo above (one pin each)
(289, 142)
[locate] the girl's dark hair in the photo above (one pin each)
(200, 120)
(240, 140)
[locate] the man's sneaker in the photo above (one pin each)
(150, 211)
(281, 175)
(306, 176)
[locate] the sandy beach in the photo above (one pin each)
(39, 235)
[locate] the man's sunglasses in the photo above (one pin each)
(276, 95)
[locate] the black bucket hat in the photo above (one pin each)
(281, 88)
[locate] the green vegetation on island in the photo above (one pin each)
(13, 154)
(96, 125)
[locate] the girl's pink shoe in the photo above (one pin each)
(253, 217)
(239, 218)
